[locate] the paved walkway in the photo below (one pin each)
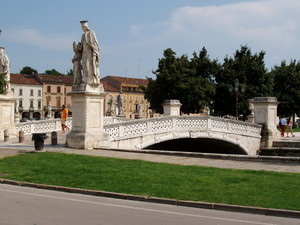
(13, 147)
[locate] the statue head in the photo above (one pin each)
(84, 25)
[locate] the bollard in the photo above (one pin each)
(6, 135)
(54, 138)
(21, 136)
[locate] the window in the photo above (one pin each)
(48, 89)
(39, 104)
(58, 102)
(39, 93)
(20, 103)
(20, 92)
(58, 89)
(31, 103)
(31, 92)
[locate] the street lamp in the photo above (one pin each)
(238, 88)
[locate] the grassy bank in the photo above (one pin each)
(240, 187)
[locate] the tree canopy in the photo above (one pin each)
(286, 87)
(189, 80)
(254, 81)
(28, 70)
(199, 81)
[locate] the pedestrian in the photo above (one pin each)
(290, 127)
(64, 117)
(282, 124)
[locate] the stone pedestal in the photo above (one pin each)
(265, 113)
(171, 107)
(7, 115)
(87, 119)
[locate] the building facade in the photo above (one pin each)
(135, 105)
(55, 92)
(28, 91)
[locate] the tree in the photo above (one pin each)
(189, 81)
(253, 78)
(286, 87)
(52, 72)
(28, 70)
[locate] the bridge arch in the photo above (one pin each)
(211, 143)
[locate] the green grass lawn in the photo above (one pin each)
(240, 187)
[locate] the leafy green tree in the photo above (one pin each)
(254, 81)
(286, 87)
(189, 81)
(28, 70)
(52, 72)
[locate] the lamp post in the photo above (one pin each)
(238, 88)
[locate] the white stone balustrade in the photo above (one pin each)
(133, 128)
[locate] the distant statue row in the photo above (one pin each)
(86, 60)
(120, 104)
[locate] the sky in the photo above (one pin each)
(133, 34)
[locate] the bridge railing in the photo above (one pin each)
(136, 128)
(44, 126)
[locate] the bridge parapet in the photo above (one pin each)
(44, 126)
(134, 128)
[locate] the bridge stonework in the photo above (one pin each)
(139, 134)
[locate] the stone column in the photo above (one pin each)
(265, 113)
(171, 107)
(87, 120)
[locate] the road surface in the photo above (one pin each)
(30, 206)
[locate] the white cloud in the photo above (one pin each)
(270, 25)
(41, 40)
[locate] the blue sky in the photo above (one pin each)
(134, 33)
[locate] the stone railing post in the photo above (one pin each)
(265, 113)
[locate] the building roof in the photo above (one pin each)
(108, 87)
(117, 82)
(56, 79)
(24, 79)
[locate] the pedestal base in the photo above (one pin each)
(87, 122)
(87, 140)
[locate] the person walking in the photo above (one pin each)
(64, 117)
(289, 127)
(282, 123)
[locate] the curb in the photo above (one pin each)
(195, 204)
(256, 158)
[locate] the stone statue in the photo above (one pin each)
(90, 55)
(77, 63)
(112, 106)
(5, 68)
(49, 110)
(140, 110)
(120, 101)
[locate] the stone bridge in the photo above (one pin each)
(140, 134)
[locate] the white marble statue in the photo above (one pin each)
(5, 68)
(112, 105)
(90, 55)
(77, 63)
(120, 101)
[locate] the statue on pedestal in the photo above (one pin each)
(120, 101)
(5, 69)
(86, 62)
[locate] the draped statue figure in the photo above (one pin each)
(90, 55)
(5, 68)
